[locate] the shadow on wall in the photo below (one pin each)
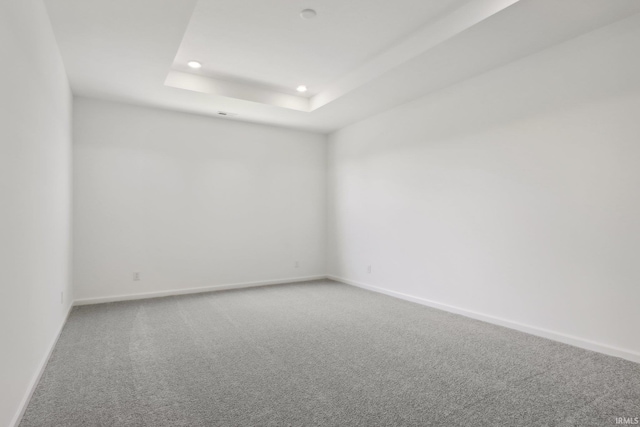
(579, 70)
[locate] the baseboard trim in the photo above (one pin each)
(158, 294)
(36, 378)
(544, 333)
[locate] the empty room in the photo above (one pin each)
(319, 213)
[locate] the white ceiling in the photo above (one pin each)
(358, 57)
(267, 44)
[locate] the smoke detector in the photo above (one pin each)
(308, 14)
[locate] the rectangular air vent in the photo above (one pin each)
(227, 114)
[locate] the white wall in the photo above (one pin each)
(35, 155)
(191, 201)
(514, 195)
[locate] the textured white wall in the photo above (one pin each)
(35, 204)
(513, 195)
(190, 201)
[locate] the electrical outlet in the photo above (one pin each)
(136, 277)
(297, 264)
(369, 269)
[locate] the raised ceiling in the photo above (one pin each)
(357, 57)
(267, 44)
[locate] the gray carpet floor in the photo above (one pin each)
(317, 354)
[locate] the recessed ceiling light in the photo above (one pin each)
(194, 64)
(301, 88)
(308, 14)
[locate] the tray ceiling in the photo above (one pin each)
(357, 57)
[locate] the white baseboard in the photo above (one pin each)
(146, 295)
(36, 378)
(545, 333)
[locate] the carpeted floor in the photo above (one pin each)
(317, 354)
